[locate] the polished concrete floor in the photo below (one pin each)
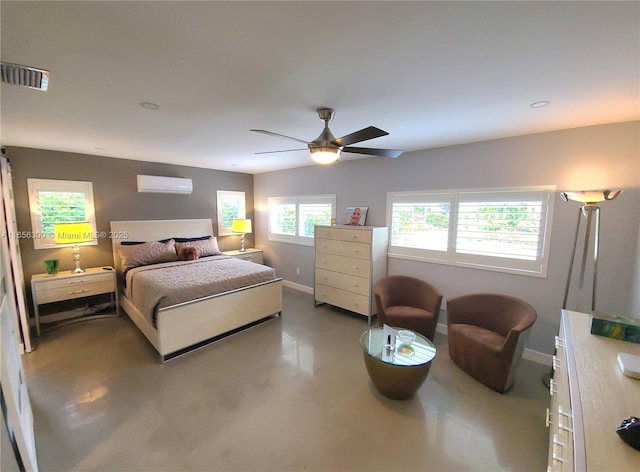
(289, 394)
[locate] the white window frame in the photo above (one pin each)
(298, 200)
(535, 268)
(239, 198)
(42, 241)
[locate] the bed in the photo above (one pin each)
(177, 327)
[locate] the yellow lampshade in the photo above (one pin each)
(73, 233)
(241, 226)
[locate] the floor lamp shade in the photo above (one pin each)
(241, 226)
(73, 233)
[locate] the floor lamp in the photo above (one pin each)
(591, 211)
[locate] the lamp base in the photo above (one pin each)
(77, 270)
(242, 249)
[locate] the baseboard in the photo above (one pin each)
(299, 287)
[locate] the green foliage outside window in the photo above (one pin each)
(61, 207)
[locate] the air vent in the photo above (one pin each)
(25, 76)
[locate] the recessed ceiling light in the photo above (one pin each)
(149, 105)
(540, 104)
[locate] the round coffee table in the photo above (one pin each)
(396, 373)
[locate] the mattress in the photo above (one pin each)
(156, 286)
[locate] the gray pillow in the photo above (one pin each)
(152, 252)
(205, 247)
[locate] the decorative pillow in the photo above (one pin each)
(205, 247)
(188, 240)
(152, 252)
(135, 243)
(188, 253)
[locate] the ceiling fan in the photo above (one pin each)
(326, 148)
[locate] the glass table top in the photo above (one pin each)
(422, 351)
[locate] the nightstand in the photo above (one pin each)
(65, 285)
(253, 255)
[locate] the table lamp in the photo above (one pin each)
(241, 226)
(73, 233)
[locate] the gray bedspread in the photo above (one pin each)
(161, 285)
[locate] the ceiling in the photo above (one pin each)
(432, 74)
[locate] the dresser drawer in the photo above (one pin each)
(355, 235)
(341, 248)
(342, 298)
(346, 265)
(325, 232)
(77, 290)
(350, 283)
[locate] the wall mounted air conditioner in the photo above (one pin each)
(157, 184)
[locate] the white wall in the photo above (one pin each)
(584, 158)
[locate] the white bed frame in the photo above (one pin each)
(190, 325)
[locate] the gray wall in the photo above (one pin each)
(116, 198)
(595, 157)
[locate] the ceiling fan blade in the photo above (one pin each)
(284, 150)
(271, 133)
(392, 153)
(358, 136)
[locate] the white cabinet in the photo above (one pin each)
(349, 260)
(590, 397)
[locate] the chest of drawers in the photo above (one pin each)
(348, 262)
(590, 397)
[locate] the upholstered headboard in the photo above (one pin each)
(155, 230)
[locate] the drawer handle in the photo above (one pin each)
(76, 281)
(555, 363)
(552, 388)
(563, 413)
(78, 291)
(559, 342)
(563, 427)
(356, 268)
(356, 285)
(557, 446)
(356, 250)
(324, 293)
(356, 303)
(324, 277)
(354, 236)
(547, 418)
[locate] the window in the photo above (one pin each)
(505, 230)
(293, 219)
(59, 201)
(231, 205)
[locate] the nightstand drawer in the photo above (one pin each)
(75, 290)
(250, 256)
(74, 281)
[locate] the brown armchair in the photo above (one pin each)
(407, 302)
(486, 334)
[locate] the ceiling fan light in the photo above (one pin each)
(325, 155)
